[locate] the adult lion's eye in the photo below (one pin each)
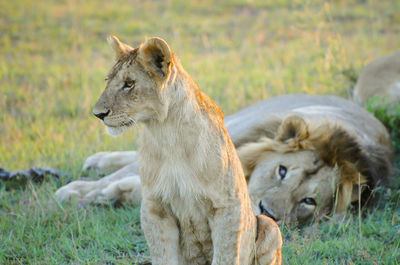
(129, 84)
(282, 171)
(310, 201)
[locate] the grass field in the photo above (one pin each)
(53, 61)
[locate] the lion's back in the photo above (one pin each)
(380, 77)
(314, 109)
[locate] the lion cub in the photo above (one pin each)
(195, 208)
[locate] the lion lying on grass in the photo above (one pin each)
(310, 156)
(195, 204)
(380, 77)
(304, 157)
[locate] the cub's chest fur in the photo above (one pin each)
(189, 211)
(183, 169)
(176, 177)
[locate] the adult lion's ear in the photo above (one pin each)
(155, 55)
(293, 131)
(118, 46)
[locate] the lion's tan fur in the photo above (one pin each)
(195, 206)
(323, 156)
(323, 141)
(293, 137)
(380, 77)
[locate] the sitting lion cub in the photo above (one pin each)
(195, 207)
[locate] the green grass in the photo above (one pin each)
(53, 60)
(388, 112)
(38, 230)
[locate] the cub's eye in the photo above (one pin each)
(309, 201)
(129, 84)
(282, 171)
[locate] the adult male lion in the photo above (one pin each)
(380, 77)
(195, 205)
(304, 156)
(310, 155)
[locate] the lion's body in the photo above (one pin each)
(195, 204)
(316, 110)
(364, 140)
(380, 77)
(195, 197)
(327, 145)
(360, 138)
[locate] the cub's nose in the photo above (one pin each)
(101, 115)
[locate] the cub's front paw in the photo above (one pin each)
(269, 241)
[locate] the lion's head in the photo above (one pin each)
(134, 85)
(297, 172)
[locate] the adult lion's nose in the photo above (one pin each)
(101, 115)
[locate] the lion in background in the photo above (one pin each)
(311, 156)
(304, 157)
(381, 77)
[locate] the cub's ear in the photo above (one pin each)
(293, 131)
(155, 55)
(118, 47)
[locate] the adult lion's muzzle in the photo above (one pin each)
(265, 211)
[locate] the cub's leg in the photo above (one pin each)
(233, 235)
(87, 191)
(107, 162)
(269, 242)
(161, 231)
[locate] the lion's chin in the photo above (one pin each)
(116, 131)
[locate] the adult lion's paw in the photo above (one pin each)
(107, 162)
(79, 191)
(126, 190)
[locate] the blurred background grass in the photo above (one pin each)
(54, 57)
(53, 61)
